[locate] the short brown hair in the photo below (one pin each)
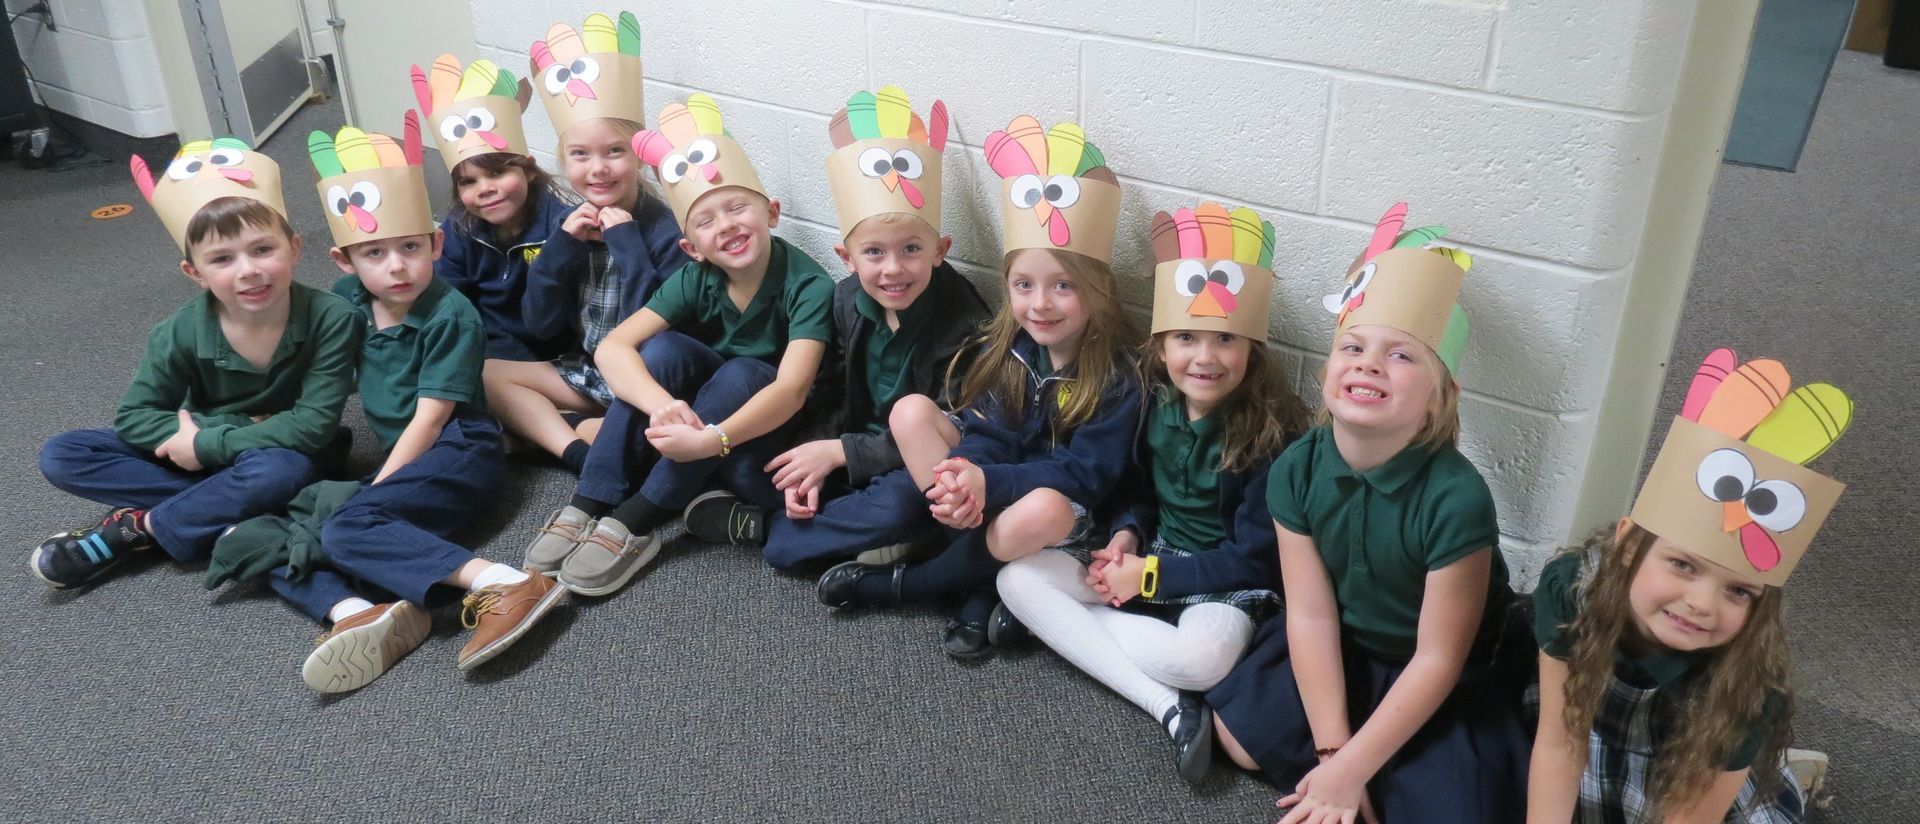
(227, 216)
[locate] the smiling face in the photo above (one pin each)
(600, 164)
(731, 228)
(494, 194)
(1045, 301)
(1205, 366)
(1685, 603)
(249, 271)
(394, 270)
(1380, 380)
(894, 258)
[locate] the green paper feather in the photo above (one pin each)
(629, 34)
(863, 118)
(505, 84)
(1454, 340)
(326, 161)
(1267, 239)
(231, 143)
(1420, 237)
(1090, 159)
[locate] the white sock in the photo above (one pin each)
(1048, 592)
(498, 574)
(351, 606)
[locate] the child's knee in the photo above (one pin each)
(913, 412)
(263, 469)
(1042, 518)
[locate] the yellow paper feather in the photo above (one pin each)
(1065, 142)
(1804, 424)
(599, 34)
(894, 112)
(706, 115)
(356, 152)
(194, 148)
(1246, 236)
(1459, 257)
(478, 80)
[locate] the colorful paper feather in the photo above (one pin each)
(706, 114)
(1247, 236)
(142, 176)
(629, 34)
(1216, 229)
(231, 143)
(355, 150)
(1747, 395)
(863, 116)
(445, 80)
(676, 123)
(387, 151)
(1805, 424)
(1420, 237)
(916, 128)
(1266, 246)
(1459, 257)
(1385, 230)
(937, 126)
(1192, 242)
(326, 161)
(1065, 143)
(892, 111)
(1008, 157)
(1165, 237)
(542, 56)
(1713, 369)
(563, 43)
(838, 131)
(597, 35)
(652, 147)
(1025, 130)
(479, 79)
(411, 150)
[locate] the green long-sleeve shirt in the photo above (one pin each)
(189, 365)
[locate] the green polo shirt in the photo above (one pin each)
(1557, 601)
(889, 353)
(1186, 474)
(1381, 531)
(794, 302)
(434, 352)
(189, 365)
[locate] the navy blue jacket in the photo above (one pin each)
(1249, 558)
(494, 279)
(1017, 454)
(645, 250)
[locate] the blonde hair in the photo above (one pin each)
(626, 129)
(1731, 694)
(1099, 365)
(1442, 424)
(1259, 417)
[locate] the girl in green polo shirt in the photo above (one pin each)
(1376, 696)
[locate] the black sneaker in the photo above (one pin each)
(720, 518)
(80, 557)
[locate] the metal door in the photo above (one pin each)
(252, 61)
(377, 41)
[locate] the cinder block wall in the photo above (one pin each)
(1530, 128)
(99, 65)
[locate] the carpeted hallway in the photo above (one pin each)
(716, 689)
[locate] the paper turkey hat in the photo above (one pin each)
(372, 186)
(204, 171)
(1404, 282)
(1730, 483)
(1214, 271)
(691, 151)
(1056, 190)
(885, 158)
(591, 73)
(472, 111)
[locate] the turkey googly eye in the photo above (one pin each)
(364, 195)
(1776, 505)
(1027, 191)
(226, 157)
(907, 164)
(453, 128)
(480, 120)
(555, 78)
(1229, 274)
(337, 200)
(185, 167)
(1062, 191)
(875, 162)
(1355, 285)
(674, 168)
(585, 69)
(702, 152)
(1724, 475)
(1190, 278)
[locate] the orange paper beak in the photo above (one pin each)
(1212, 302)
(1733, 515)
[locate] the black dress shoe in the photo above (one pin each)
(1004, 630)
(839, 586)
(1192, 737)
(966, 640)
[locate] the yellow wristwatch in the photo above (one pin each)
(1150, 577)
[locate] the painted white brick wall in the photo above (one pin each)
(99, 65)
(1529, 127)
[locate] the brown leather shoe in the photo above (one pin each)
(362, 646)
(500, 614)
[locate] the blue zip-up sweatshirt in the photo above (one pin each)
(495, 278)
(645, 250)
(1249, 558)
(1018, 455)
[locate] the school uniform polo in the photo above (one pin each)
(1673, 675)
(889, 355)
(1381, 531)
(1186, 473)
(189, 364)
(435, 351)
(792, 303)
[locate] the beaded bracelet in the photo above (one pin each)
(726, 445)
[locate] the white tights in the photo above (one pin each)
(1145, 659)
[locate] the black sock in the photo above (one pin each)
(593, 508)
(965, 565)
(639, 515)
(575, 456)
(979, 605)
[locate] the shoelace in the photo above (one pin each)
(738, 523)
(478, 602)
(606, 542)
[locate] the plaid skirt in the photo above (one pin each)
(580, 373)
(1256, 603)
(1615, 788)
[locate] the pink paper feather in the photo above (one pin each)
(542, 58)
(1386, 230)
(652, 147)
(422, 92)
(1718, 364)
(1008, 157)
(1192, 242)
(142, 177)
(410, 138)
(937, 126)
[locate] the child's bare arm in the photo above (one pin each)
(1553, 780)
(430, 415)
(1313, 638)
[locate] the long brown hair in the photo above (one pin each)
(492, 163)
(1260, 416)
(1099, 365)
(1732, 692)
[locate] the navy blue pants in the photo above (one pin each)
(187, 510)
(890, 510)
(1468, 763)
(622, 462)
(392, 537)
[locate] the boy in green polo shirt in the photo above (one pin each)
(707, 375)
(420, 386)
(237, 393)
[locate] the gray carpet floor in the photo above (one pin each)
(715, 689)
